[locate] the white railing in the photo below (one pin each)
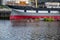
(34, 11)
(54, 11)
(42, 11)
(31, 11)
(52, 4)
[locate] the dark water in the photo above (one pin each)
(29, 31)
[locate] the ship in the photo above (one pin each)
(35, 10)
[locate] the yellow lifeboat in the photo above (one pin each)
(23, 3)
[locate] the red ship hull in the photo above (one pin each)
(16, 17)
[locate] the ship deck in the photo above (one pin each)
(31, 8)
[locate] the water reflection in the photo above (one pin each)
(30, 31)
